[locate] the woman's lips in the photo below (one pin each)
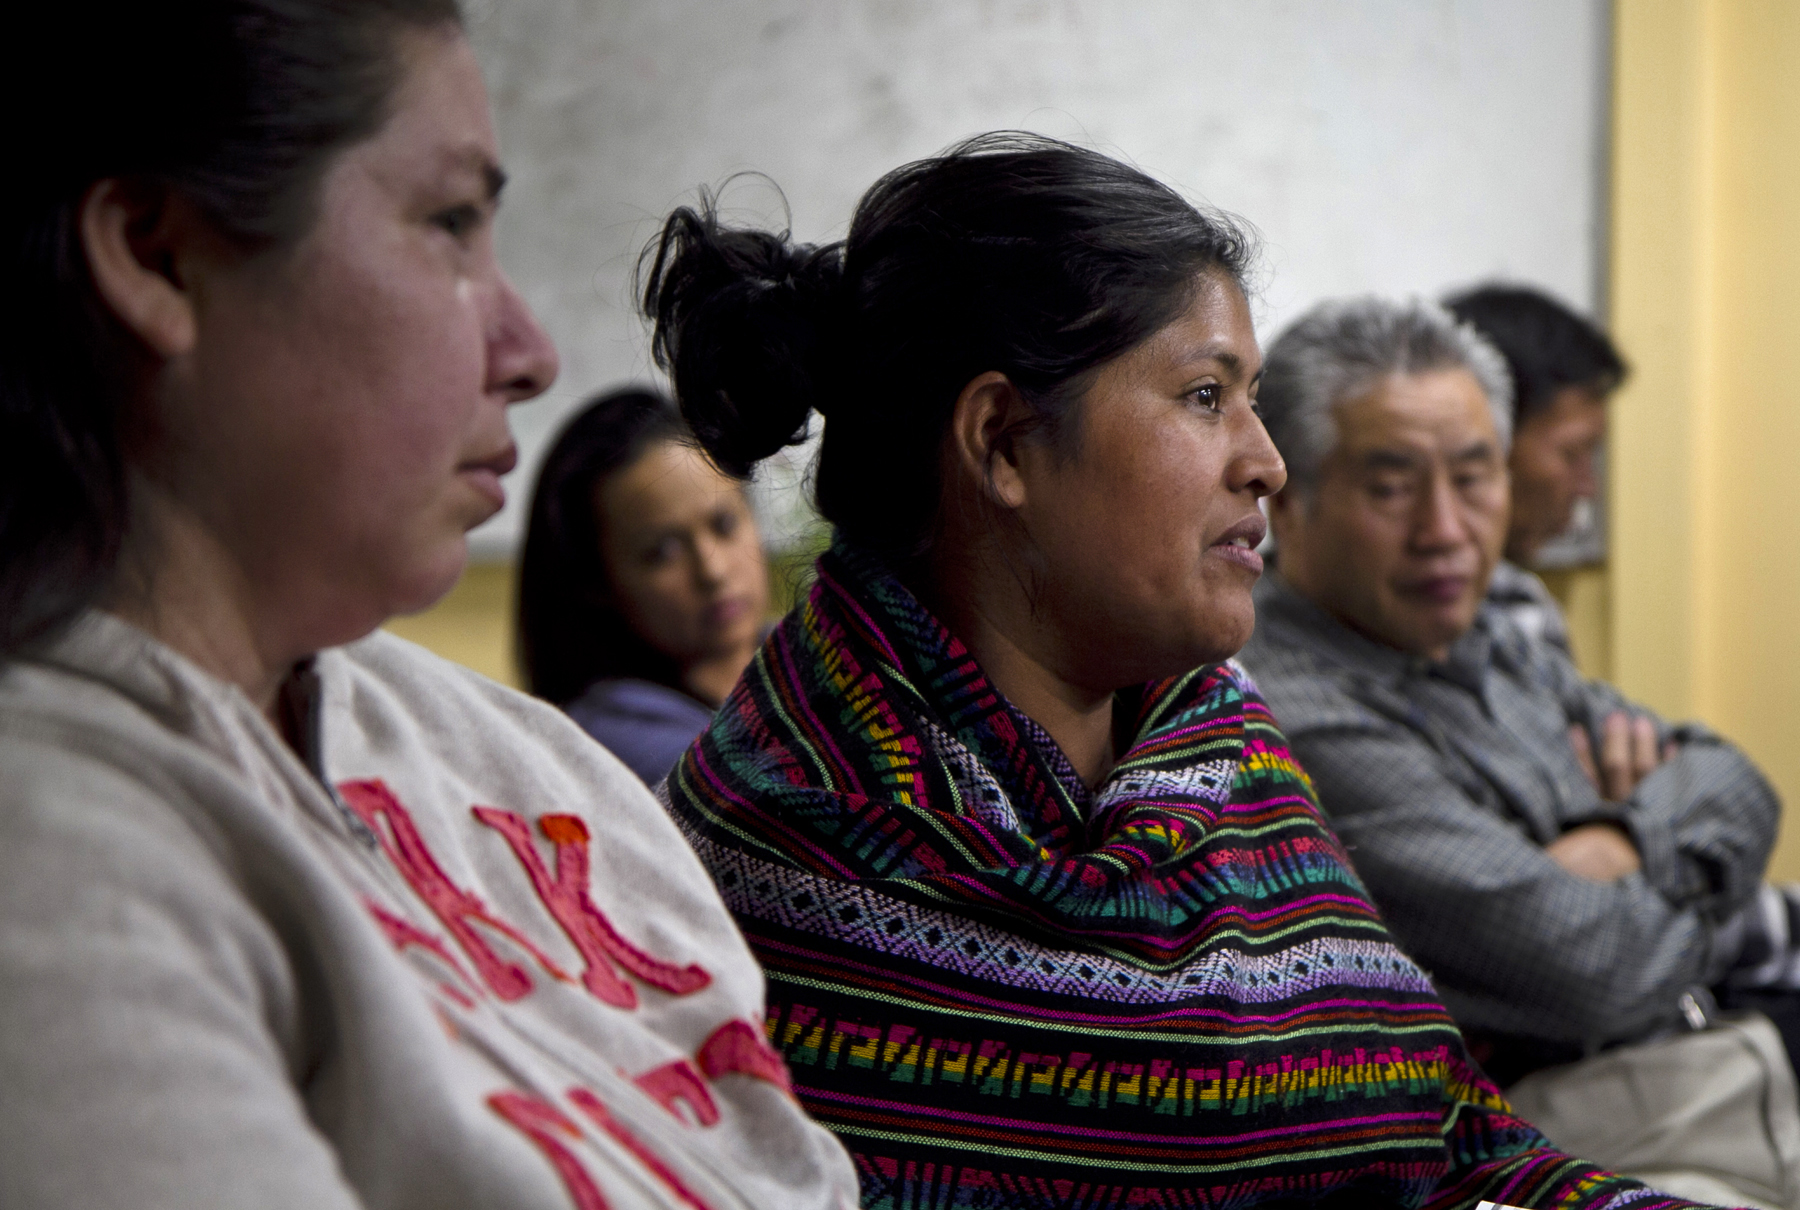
(486, 482)
(721, 614)
(1243, 556)
(484, 474)
(1238, 544)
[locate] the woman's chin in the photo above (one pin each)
(429, 580)
(1225, 632)
(740, 633)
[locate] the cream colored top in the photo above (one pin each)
(482, 969)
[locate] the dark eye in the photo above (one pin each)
(725, 523)
(459, 221)
(1211, 396)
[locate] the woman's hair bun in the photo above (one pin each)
(743, 322)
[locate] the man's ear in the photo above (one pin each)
(984, 427)
(135, 238)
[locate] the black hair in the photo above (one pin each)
(236, 105)
(1009, 252)
(1547, 346)
(568, 628)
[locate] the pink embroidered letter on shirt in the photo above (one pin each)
(567, 897)
(678, 1081)
(400, 840)
(541, 1123)
(738, 1046)
(404, 933)
(602, 1117)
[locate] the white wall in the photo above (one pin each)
(1400, 146)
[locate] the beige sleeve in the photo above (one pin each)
(149, 1049)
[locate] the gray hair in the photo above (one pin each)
(1339, 349)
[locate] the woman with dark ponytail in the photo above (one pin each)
(1050, 915)
(294, 914)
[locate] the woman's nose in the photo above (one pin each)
(709, 562)
(1258, 467)
(522, 361)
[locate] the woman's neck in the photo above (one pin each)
(713, 677)
(993, 618)
(178, 584)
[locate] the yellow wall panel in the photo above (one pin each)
(1585, 594)
(1658, 318)
(472, 624)
(1706, 303)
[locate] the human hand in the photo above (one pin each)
(1598, 852)
(1628, 753)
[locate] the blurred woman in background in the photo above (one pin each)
(294, 914)
(643, 591)
(1049, 913)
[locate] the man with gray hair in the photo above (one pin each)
(1575, 872)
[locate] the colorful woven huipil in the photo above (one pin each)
(1001, 990)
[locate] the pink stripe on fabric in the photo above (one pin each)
(821, 734)
(712, 778)
(1271, 1134)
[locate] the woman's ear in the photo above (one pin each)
(984, 427)
(135, 238)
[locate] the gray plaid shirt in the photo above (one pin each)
(1446, 781)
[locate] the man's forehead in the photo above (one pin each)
(1440, 411)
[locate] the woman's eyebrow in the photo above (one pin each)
(476, 159)
(1225, 357)
(1232, 365)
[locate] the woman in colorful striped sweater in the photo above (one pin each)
(1049, 914)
